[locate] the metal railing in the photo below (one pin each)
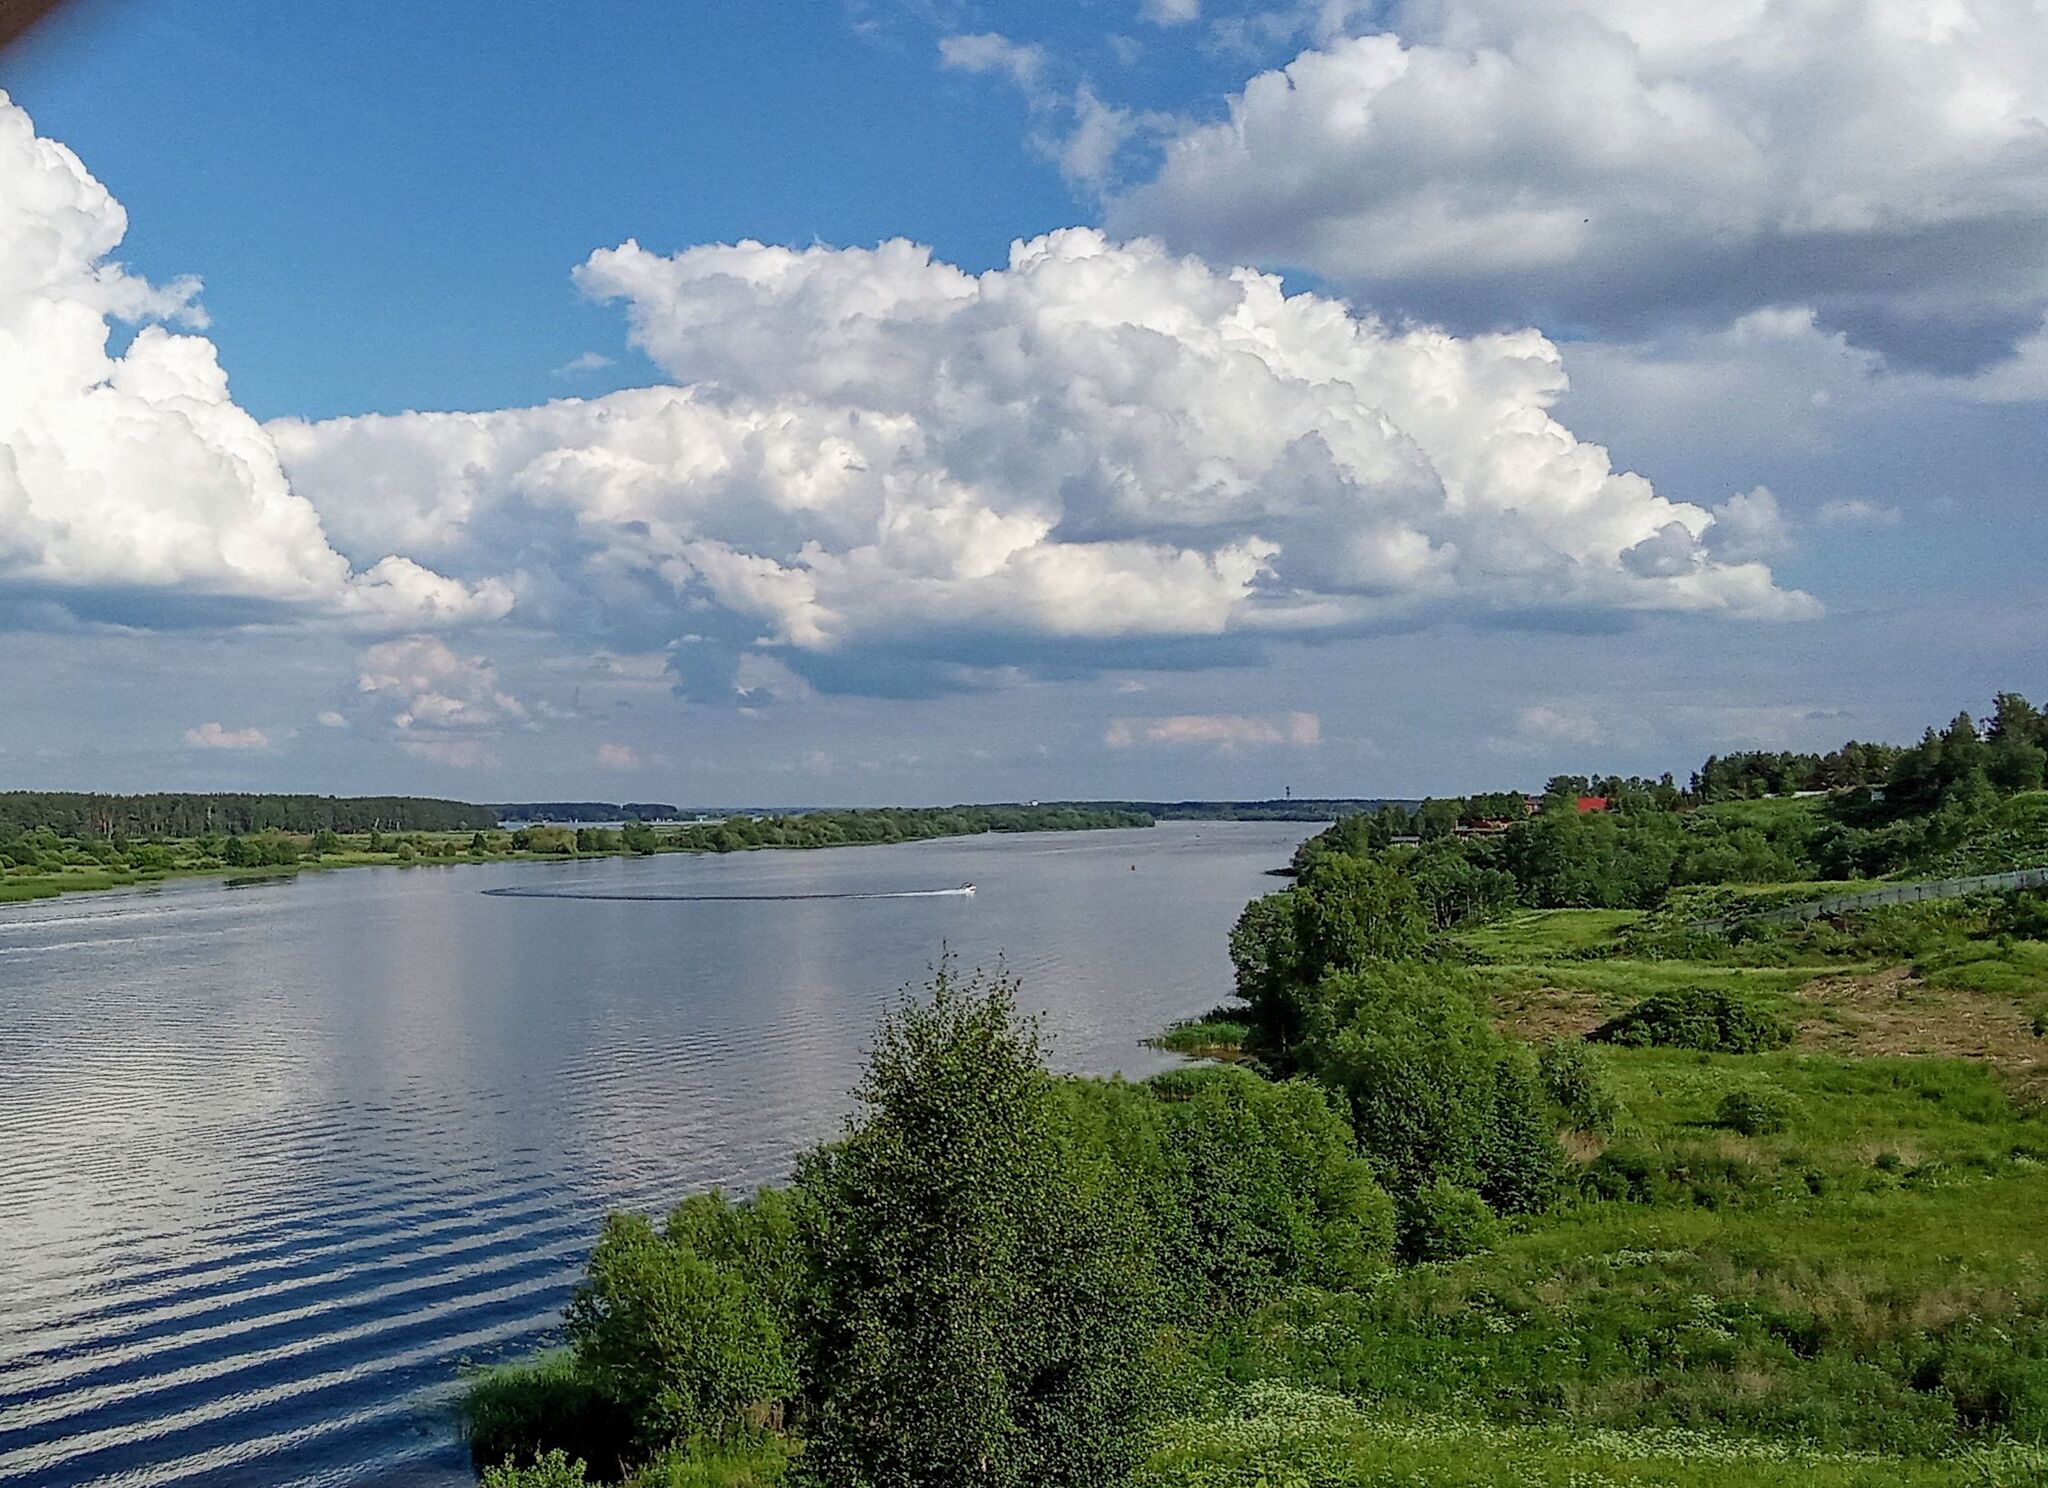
(1906, 893)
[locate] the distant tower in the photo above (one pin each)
(1290, 791)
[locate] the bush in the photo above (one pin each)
(685, 1342)
(1700, 1180)
(553, 1470)
(1756, 1111)
(1436, 1093)
(1443, 1222)
(1260, 1189)
(1576, 1081)
(1247, 1187)
(526, 1410)
(1713, 1021)
(1519, 1158)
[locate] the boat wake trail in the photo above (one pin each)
(638, 896)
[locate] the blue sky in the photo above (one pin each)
(828, 523)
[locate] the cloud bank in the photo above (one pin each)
(879, 466)
(133, 482)
(1611, 167)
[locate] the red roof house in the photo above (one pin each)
(1592, 803)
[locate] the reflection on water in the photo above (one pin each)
(272, 1162)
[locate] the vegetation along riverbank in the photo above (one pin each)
(1528, 1169)
(56, 843)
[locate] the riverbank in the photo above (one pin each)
(41, 864)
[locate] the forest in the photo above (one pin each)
(181, 814)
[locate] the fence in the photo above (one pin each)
(1908, 893)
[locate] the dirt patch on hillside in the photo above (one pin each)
(1550, 1013)
(1894, 1012)
(1885, 1013)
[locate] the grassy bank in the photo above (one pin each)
(1854, 1291)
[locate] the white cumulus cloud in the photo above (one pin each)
(138, 473)
(217, 736)
(1101, 449)
(618, 757)
(988, 51)
(1615, 164)
(1171, 12)
(428, 685)
(1228, 732)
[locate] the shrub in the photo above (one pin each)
(1756, 1110)
(1435, 1092)
(757, 1238)
(1702, 1180)
(685, 1342)
(1443, 1222)
(1576, 1081)
(1519, 1158)
(526, 1410)
(553, 1470)
(1268, 1191)
(1710, 1020)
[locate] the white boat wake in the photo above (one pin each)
(638, 896)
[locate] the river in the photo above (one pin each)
(274, 1159)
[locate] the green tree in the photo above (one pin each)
(1273, 1190)
(639, 838)
(1343, 912)
(1456, 890)
(2015, 763)
(2013, 717)
(1435, 1092)
(982, 1316)
(686, 1342)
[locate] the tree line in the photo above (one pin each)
(195, 814)
(893, 824)
(2011, 748)
(1925, 810)
(586, 811)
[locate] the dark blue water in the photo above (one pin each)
(275, 1159)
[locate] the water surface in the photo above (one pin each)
(273, 1159)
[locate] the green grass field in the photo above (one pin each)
(1281, 1436)
(1858, 1298)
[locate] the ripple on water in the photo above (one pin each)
(272, 1164)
